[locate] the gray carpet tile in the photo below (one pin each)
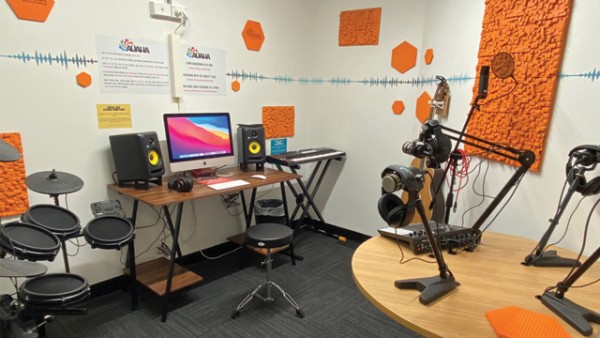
(321, 284)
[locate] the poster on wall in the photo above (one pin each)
(130, 65)
(203, 70)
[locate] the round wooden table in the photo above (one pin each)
(491, 277)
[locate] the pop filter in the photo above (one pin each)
(503, 65)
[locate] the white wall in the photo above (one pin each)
(57, 118)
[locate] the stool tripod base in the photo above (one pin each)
(268, 285)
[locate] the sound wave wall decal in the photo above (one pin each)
(344, 81)
(377, 82)
(592, 75)
(62, 59)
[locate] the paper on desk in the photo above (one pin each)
(227, 185)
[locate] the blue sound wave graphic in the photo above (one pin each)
(344, 81)
(61, 59)
(592, 75)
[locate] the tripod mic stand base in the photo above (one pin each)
(551, 259)
(577, 316)
(431, 288)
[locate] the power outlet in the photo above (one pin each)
(159, 10)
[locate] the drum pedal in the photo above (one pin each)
(108, 208)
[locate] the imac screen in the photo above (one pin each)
(198, 140)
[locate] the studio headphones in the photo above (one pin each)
(394, 211)
(181, 184)
(584, 157)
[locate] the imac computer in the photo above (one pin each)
(199, 142)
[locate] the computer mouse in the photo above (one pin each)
(261, 177)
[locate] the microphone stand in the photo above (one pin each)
(431, 288)
(577, 316)
(542, 258)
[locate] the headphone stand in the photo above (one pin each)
(540, 257)
(431, 288)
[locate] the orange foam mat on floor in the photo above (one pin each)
(516, 322)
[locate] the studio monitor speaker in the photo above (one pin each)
(138, 160)
(251, 145)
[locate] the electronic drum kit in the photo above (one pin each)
(39, 235)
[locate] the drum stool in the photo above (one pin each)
(268, 236)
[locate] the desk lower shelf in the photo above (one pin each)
(153, 274)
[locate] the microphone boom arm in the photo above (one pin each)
(524, 157)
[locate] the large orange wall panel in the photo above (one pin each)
(517, 112)
(13, 191)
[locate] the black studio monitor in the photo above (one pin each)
(138, 160)
(251, 145)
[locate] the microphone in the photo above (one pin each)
(391, 182)
(484, 75)
(417, 149)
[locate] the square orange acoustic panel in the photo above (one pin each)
(278, 121)
(359, 27)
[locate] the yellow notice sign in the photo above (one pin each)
(114, 116)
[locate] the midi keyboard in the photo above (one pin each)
(294, 158)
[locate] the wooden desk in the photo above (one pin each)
(163, 279)
(491, 278)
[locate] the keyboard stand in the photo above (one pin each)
(306, 192)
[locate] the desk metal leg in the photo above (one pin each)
(174, 250)
(132, 275)
(248, 209)
(287, 221)
(170, 223)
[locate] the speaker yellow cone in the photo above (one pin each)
(153, 158)
(254, 147)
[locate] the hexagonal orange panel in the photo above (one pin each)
(423, 107)
(84, 79)
(253, 35)
(404, 57)
(428, 56)
(398, 107)
(513, 321)
(31, 10)
(235, 85)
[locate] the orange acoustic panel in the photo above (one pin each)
(428, 56)
(359, 27)
(404, 57)
(423, 110)
(398, 107)
(13, 191)
(235, 85)
(37, 10)
(516, 322)
(517, 110)
(84, 79)
(278, 121)
(253, 35)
